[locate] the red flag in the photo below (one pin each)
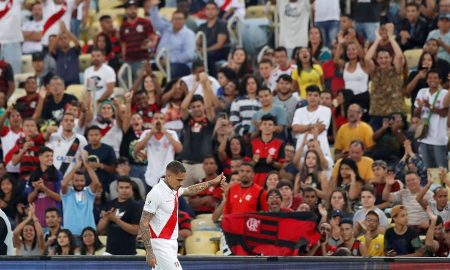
(269, 234)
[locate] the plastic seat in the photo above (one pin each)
(85, 61)
(255, 12)
(204, 216)
(203, 224)
(412, 58)
(201, 243)
(159, 76)
(118, 91)
(109, 4)
(140, 252)
(27, 66)
(167, 12)
(77, 90)
(21, 77)
(94, 29)
(18, 93)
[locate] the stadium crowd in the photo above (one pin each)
(334, 121)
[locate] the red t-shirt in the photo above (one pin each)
(273, 147)
(215, 192)
(146, 113)
(135, 35)
(244, 200)
(30, 160)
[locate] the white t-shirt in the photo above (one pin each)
(160, 201)
(189, 81)
(49, 8)
(238, 5)
(159, 154)
(326, 10)
(445, 213)
(294, 20)
(113, 137)
(276, 73)
(104, 75)
(60, 146)
(11, 22)
(77, 129)
(32, 46)
(437, 129)
(9, 139)
(303, 117)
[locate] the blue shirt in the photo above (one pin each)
(181, 44)
(78, 209)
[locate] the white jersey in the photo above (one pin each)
(238, 5)
(160, 152)
(162, 201)
(102, 77)
(189, 81)
(29, 46)
(60, 146)
(276, 73)
(49, 9)
(9, 139)
(10, 21)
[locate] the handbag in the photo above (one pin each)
(423, 126)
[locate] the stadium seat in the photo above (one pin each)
(255, 12)
(85, 61)
(108, 4)
(119, 91)
(21, 77)
(412, 58)
(166, 12)
(94, 29)
(141, 252)
(18, 92)
(77, 90)
(115, 13)
(202, 243)
(204, 216)
(27, 66)
(203, 224)
(159, 76)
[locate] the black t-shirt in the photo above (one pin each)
(129, 137)
(55, 111)
(422, 83)
(213, 32)
(105, 155)
(366, 11)
(444, 67)
(119, 241)
(197, 140)
(3, 234)
(406, 243)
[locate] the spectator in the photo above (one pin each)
(239, 62)
(386, 97)
(66, 244)
(348, 178)
(265, 68)
(442, 36)
(322, 248)
(9, 136)
(355, 129)
(432, 46)
(32, 30)
(216, 37)
(26, 105)
(439, 205)
(368, 204)
(288, 199)
(282, 66)
(66, 57)
(356, 247)
(11, 199)
(418, 79)
(121, 221)
(312, 118)
(52, 107)
(367, 18)
(364, 163)
(245, 106)
(271, 181)
(288, 169)
(172, 98)
(28, 236)
(44, 185)
(413, 29)
(66, 145)
(229, 150)
(53, 220)
(107, 28)
(307, 73)
(137, 37)
(320, 52)
(311, 174)
(138, 161)
(401, 240)
(224, 76)
(417, 216)
(411, 161)
(90, 243)
(247, 196)
(195, 80)
(435, 241)
(11, 34)
(274, 201)
(373, 240)
(185, 7)
(338, 200)
(44, 67)
(311, 199)
(326, 18)
(207, 200)
(177, 38)
(294, 14)
(432, 106)
(267, 151)
(77, 198)
(103, 42)
(101, 159)
(380, 174)
(6, 242)
(346, 26)
(7, 85)
(123, 169)
(99, 78)
(265, 97)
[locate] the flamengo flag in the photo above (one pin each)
(269, 234)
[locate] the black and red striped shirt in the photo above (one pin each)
(26, 105)
(6, 75)
(30, 159)
(134, 35)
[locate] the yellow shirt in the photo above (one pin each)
(364, 168)
(307, 78)
(376, 248)
(346, 135)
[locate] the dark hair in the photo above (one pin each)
(265, 61)
(304, 173)
(284, 77)
(33, 245)
(309, 189)
(94, 127)
(245, 68)
(352, 164)
(228, 73)
(97, 243)
(72, 243)
(368, 188)
(104, 17)
(312, 88)
(108, 44)
(434, 71)
(8, 177)
(196, 98)
(412, 4)
(357, 142)
(299, 63)
(285, 183)
(264, 88)
(276, 191)
(175, 167)
(210, 157)
(269, 117)
(53, 209)
(383, 50)
(408, 172)
(122, 160)
(248, 164)
(346, 221)
(373, 213)
(422, 56)
(124, 179)
(228, 147)
(44, 149)
(317, 53)
(281, 49)
(243, 86)
(267, 177)
(346, 207)
(212, 3)
(348, 99)
(346, 15)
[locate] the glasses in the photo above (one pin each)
(374, 220)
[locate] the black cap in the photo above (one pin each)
(337, 213)
(39, 56)
(129, 3)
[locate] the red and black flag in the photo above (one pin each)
(269, 234)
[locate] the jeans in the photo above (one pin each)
(329, 30)
(434, 156)
(12, 53)
(367, 30)
(75, 27)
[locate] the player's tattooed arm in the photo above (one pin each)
(146, 237)
(195, 189)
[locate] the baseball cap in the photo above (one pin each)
(337, 213)
(444, 16)
(447, 226)
(396, 209)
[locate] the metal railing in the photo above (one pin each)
(165, 69)
(275, 24)
(233, 26)
(125, 70)
(203, 51)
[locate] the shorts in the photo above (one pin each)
(166, 253)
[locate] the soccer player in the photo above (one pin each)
(159, 220)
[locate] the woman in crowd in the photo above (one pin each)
(417, 78)
(228, 150)
(90, 242)
(319, 51)
(338, 200)
(171, 101)
(66, 244)
(271, 181)
(28, 236)
(239, 62)
(9, 197)
(307, 73)
(348, 179)
(312, 175)
(224, 76)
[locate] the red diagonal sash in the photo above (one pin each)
(167, 231)
(225, 5)
(6, 9)
(54, 18)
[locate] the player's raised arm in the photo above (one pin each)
(194, 189)
(146, 237)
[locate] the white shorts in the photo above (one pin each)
(166, 254)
